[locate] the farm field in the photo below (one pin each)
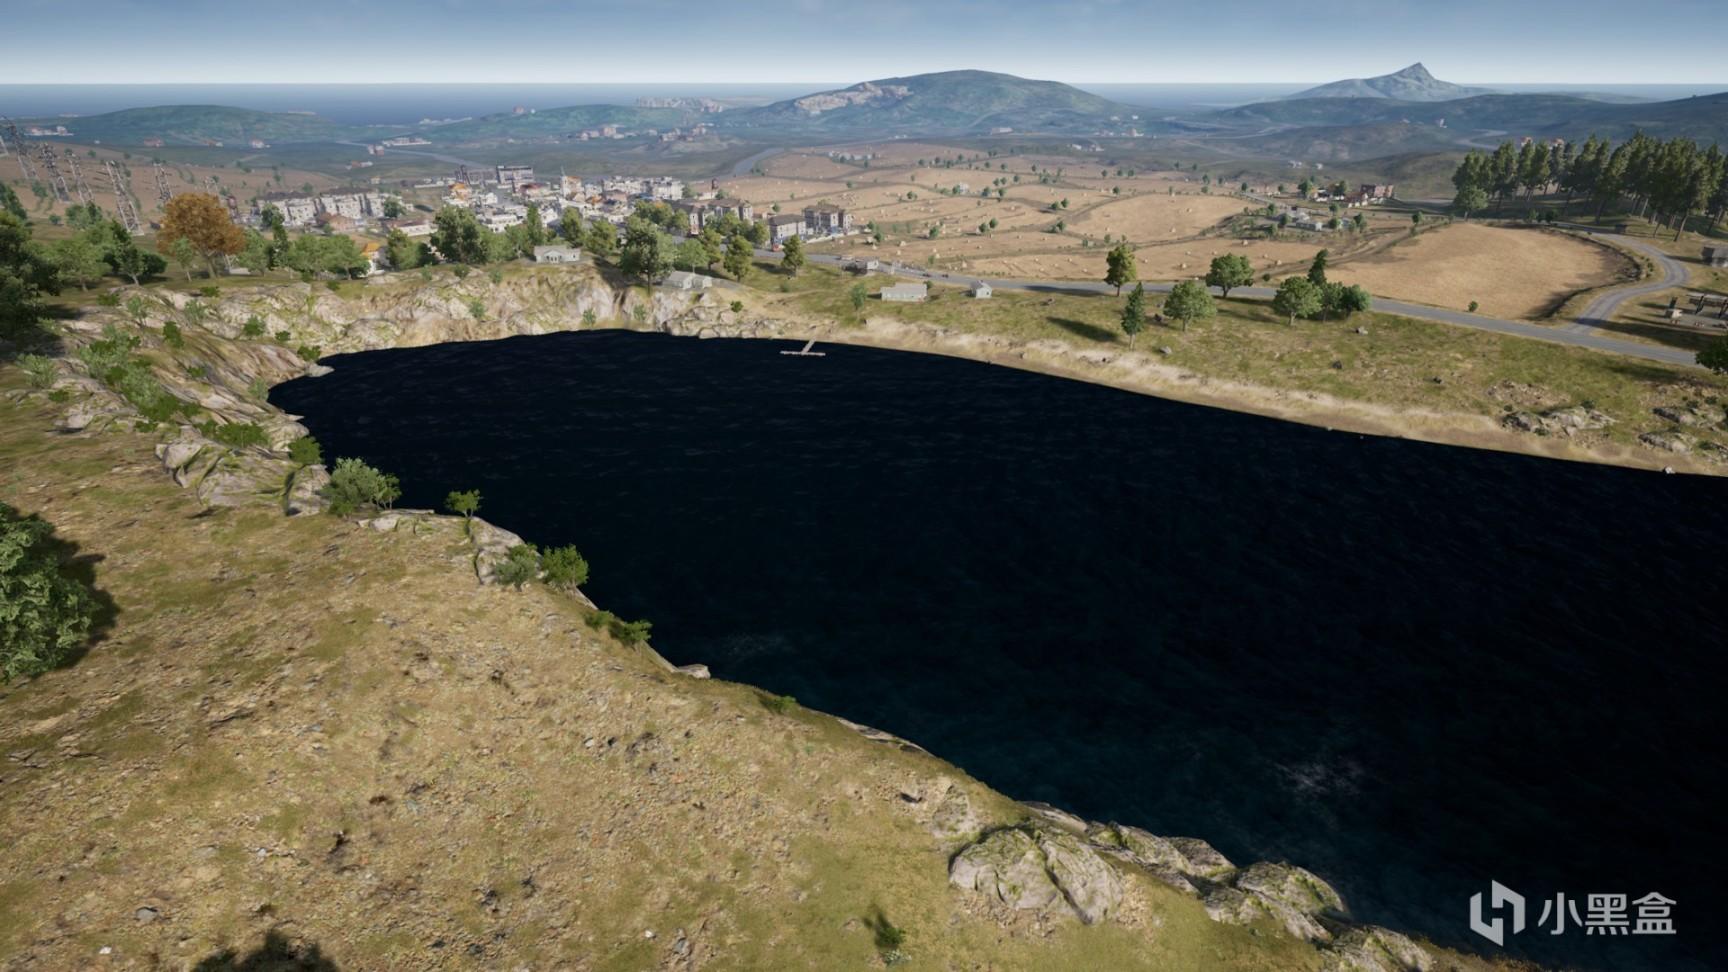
(1512, 273)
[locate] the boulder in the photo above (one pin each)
(1006, 865)
(1293, 886)
(1376, 950)
(1678, 442)
(1088, 882)
(1201, 859)
(1693, 416)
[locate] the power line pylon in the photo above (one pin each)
(55, 179)
(77, 176)
(123, 200)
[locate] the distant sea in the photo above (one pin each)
(404, 104)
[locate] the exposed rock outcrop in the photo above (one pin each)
(1560, 421)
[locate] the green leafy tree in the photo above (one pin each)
(78, 261)
(1297, 297)
(405, 253)
(601, 239)
(564, 567)
(393, 208)
(25, 276)
(458, 236)
(126, 258)
(1715, 356)
(792, 256)
(738, 257)
(690, 254)
(520, 565)
(1120, 267)
(465, 503)
(570, 227)
(9, 203)
(45, 616)
(1134, 313)
(647, 250)
(1470, 199)
(1229, 271)
(858, 295)
(1317, 269)
(305, 451)
(183, 253)
(1189, 301)
(355, 486)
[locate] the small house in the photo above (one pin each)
(906, 292)
(981, 290)
(1716, 256)
(557, 253)
(686, 281)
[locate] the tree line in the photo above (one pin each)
(1668, 181)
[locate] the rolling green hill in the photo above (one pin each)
(1704, 118)
(1414, 83)
(949, 101)
(555, 123)
(205, 124)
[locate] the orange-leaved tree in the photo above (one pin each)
(201, 220)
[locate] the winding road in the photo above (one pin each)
(1582, 333)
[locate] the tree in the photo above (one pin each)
(392, 208)
(1190, 300)
(690, 254)
(1297, 297)
(305, 451)
(792, 256)
(255, 256)
(534, 232)
(564, 567)
(858, 295)
(78, 261)
(25, 275)
(405, 253)
(9, 203)
(458, 236)
(355, 486)
(182, 252)
(1229, 271)
(1120, 267)
(1352, 299)
(1715, 356)
(647, 250)
(1134, 313)
(45, 616)
(1317, 269)
(601, 238)
(202, 221)
(1470, 199)
(520, 565)
(570, 227)
(738, 256)
(463, 502)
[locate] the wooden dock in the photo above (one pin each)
(805, 351)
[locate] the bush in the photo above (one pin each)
(108, 300)
(305, 451)
(334, 286)
(564, 567)
(461, 270)
(211, 292)
(588, 318)
(309, 352)
(235, 435)
(355, 486)
(44, 615)
(520, 565)
(629, 632)
(171, 335)
(111, 361)
(253, 328)
(38, 369)
(779, 704)
(283, 337)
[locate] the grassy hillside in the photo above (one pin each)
(560, 122)
(955, 101)
(1703, 118)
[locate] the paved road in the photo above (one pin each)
(1602, 309)
(1576, 335)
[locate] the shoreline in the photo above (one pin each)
(1143, 373)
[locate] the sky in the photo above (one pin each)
(1090, 41)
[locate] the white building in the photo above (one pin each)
(981, 290)
(906, 292)
(683, 280)
(557, 253)
(514, 177)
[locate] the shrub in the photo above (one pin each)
(258, 388)
(305, 451)
(477, 309)
(108, 300)
(44, 615)
(38, 369)
(495, 275)
(629, 632)
(461, 270)
(564, 567)
(779, 704)
(520, 565)
(283, 337)
(171, 335)
(211, 292)
(1473, 306)
(235, 435)
(334, 286)
(355, 486)
(253, 328)
(309, 352)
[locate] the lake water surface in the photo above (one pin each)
(1411, 668)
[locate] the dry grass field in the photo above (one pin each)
(1513, 273)
(1152, 217)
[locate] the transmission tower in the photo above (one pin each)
(77, 176)
(123, 199)
(223, 194)
(162, 193)
(58, 181)
(19, 150)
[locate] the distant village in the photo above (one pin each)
(500, 198)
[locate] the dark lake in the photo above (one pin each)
(1410, 668)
